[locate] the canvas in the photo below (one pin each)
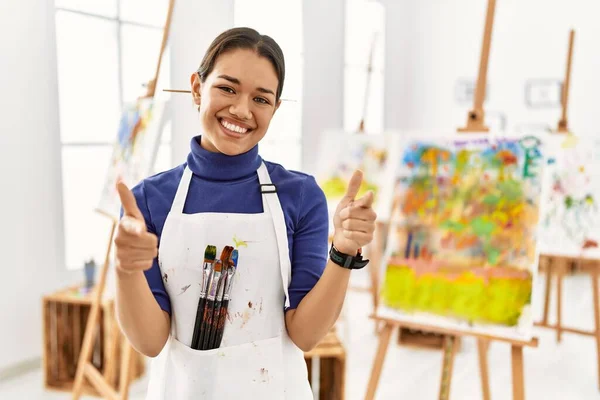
(134, 150)
(571, 220)
(344, 152)
(462, 243)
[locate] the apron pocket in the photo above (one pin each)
(251, 370)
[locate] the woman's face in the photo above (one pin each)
(237, 101)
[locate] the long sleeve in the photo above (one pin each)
(309, 248)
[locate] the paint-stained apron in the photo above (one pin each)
(256, 359)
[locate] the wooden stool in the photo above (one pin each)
(332, 367)
(65, 314)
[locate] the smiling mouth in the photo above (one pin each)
(233, 128)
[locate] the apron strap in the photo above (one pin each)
(272, 206)
(182, 190)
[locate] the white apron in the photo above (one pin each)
(257, 359)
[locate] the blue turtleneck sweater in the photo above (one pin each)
(226, 184)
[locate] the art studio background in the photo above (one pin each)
(69, 67)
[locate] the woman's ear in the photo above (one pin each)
(277, 106)
(196, 87)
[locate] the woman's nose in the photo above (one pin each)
(241, 109)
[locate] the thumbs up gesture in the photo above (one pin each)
(354, 220)
(136, 248)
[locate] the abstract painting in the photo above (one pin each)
(462, 243)
(571, 215)
(134, 150)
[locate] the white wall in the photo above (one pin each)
(433, 43)
(323, 89)
(195, 24)
(31, 238)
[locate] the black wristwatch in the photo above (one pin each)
(347, 261)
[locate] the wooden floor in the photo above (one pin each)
(552, 372)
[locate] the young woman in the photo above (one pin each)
(288, 288)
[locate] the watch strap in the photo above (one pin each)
(347, 261)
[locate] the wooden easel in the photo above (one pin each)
(449, 352)
(85, 369)
(375, 249)
(558, 264)
(475, 123)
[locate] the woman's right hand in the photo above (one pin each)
(136, 248)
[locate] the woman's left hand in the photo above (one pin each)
(354, 220)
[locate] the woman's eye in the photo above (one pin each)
(261, 100)
(227, 89)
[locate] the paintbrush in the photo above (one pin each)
(226, 296)
(217, 310)
(209, 258)
(209, 307)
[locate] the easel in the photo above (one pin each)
(475, 123)
(375, 249)
(560, 264)
(85, 369)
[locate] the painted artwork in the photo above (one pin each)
(462, 243)
(134, 151)
(343, 152)
(571, 221)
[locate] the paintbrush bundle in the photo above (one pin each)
(217, 279)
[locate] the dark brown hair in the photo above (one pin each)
(244, 38)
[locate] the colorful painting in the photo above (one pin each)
(571, 219)
(343, 152)
(134, 150)
(462, 244)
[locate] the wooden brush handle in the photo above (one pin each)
(206, 323)
(221, 323)
(198, 324)
(213, 325)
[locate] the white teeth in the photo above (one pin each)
(233, 127)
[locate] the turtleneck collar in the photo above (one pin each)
(221, 167)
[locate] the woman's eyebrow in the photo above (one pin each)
(236, 81)
(263, 90)
(230, 79)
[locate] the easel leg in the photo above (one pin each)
(596, 300)
(482, 348)
(113, 351)
(125, 377)
(559, 277)
(517, 373)
(384, 341)
(86, 350)
(450, 346)
(88, 338)
(548, 290)
(375, 266)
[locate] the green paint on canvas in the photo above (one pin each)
(469, 297)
